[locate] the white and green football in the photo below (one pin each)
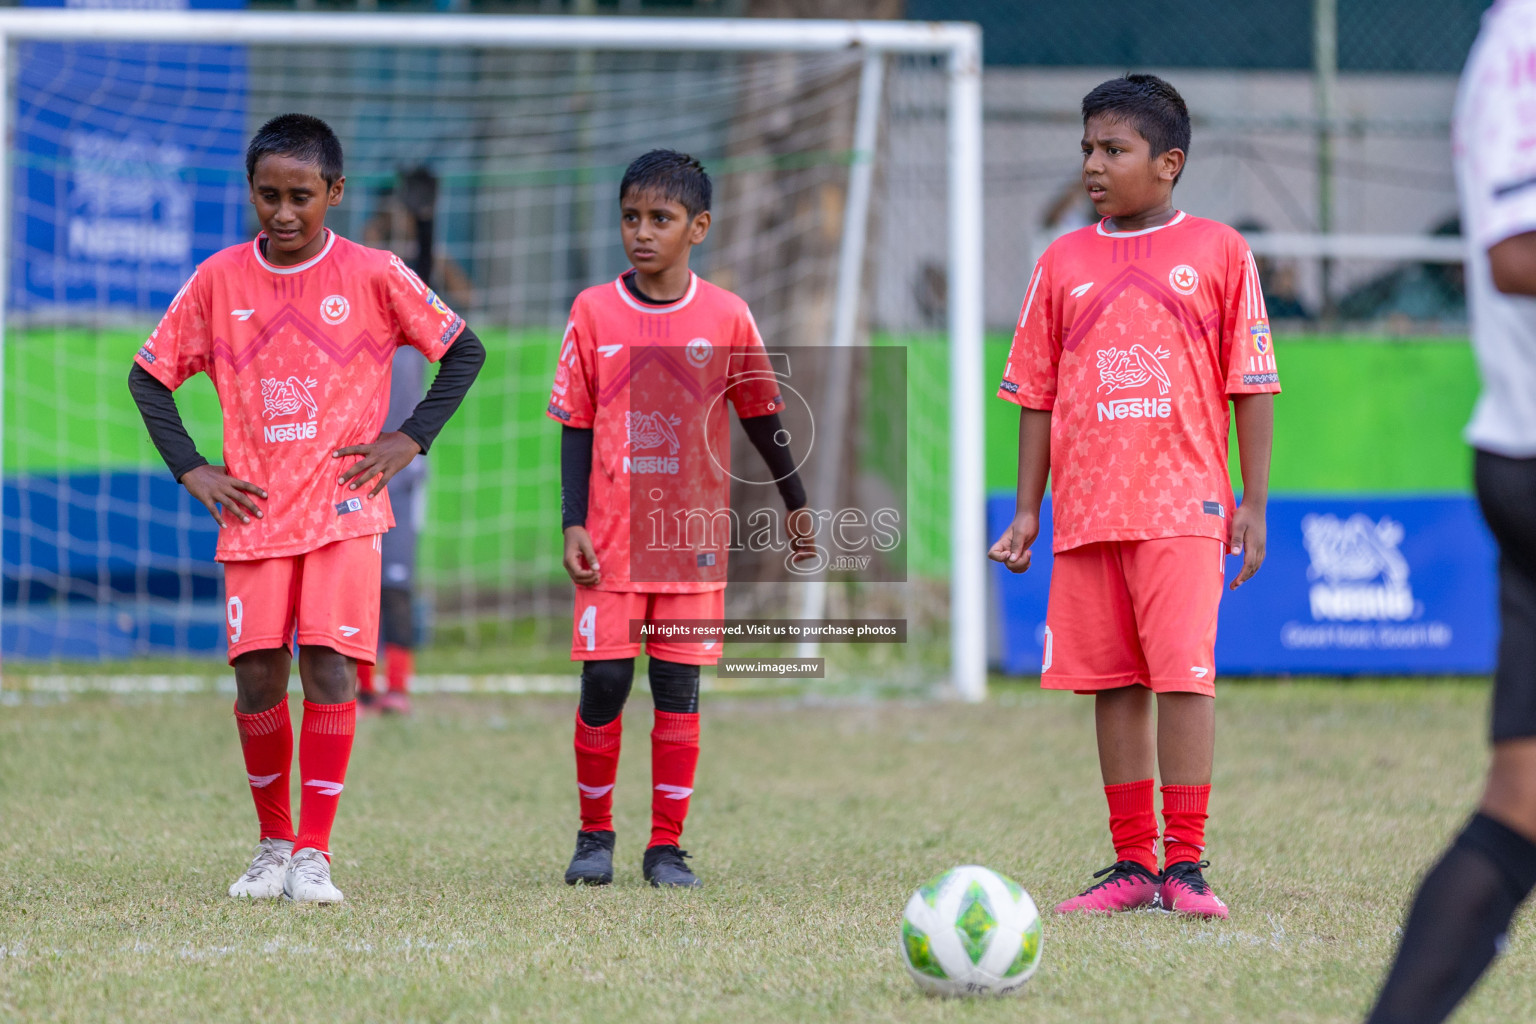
(971, 931)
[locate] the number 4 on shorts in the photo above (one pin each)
(586, 626)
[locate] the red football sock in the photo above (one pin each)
(325, 745)
(364, 677)
(399, 664)
(266, 739)
(1184, 814)
(1133, 822)
(597, 765)
(674, 756)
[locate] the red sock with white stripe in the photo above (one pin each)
(399, 665)
(266, 740)
(674, 756)
(325, 746)
(1184, 814)
(1133, 822)
(597, 766)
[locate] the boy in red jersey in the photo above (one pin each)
(1134, 333)
(298, 329)
(641, 362)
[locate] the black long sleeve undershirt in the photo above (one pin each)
(575, 475)
(576, 467)
(457, 371)
(158, 407)
(762, 431)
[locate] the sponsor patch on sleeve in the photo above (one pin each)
(1010, 387)
(146, 355)
(350, 505)
(559, 413)
(1250, 379)
(1214, 508)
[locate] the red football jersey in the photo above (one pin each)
(653, 382)
(300, 357)
(1133, 341)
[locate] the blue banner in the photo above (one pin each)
(129, 166)
(1379, 586)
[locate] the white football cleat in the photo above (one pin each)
(308, 878)
(263, 880)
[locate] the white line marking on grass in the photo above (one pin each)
(129, 684)
(133, 683)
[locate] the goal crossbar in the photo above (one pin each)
(536, 32)
(958, 43)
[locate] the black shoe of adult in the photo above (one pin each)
(663, 867)
(592, 863)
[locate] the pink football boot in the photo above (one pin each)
(1185, 891)
(1128, 887)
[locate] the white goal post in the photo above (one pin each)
(957, 44)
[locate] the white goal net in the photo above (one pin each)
(845, 160)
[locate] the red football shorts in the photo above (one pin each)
(331, 595)
(602, 620)
(1135, 613)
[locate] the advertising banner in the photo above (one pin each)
(128, 166)
(1350, 586)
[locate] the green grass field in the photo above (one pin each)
(124, 818)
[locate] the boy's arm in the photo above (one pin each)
(394, 450)
(208, 484)
(1012, 548)
(580, 558)
(157, 406)
(763, 432)
(1255, 417)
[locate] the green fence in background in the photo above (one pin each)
(1358, 415)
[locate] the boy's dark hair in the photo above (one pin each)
(672, 175)
(1148, 104)
(300, 136)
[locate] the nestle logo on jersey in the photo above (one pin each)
(289, 432)
(1135, 409)
(650, 464)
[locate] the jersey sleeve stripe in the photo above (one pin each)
(1258, 290)
(1029, 296)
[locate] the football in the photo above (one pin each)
(971, 931)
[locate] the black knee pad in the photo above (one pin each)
(396, 622)
(675, 686)
(604, 689)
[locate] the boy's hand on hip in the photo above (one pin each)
(580, 557)
(387, 456)
(1248, 533)
(214, 487)
(1012, 548)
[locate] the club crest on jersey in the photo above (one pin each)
(699, 351)
(1260, 335)
(334, 309)
(648, 430)
(282, 398)
(438, 304)
(1184, 279)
